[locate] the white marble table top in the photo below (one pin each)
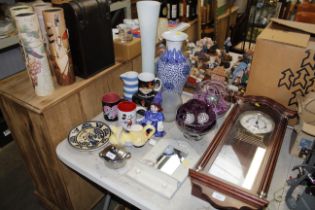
(90, 165)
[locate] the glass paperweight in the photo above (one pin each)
(195, 118)
(213, 93)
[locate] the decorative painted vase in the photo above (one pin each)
(34, 52)
(173, 69)
(59, 45)
(148, 30)
(39, 7)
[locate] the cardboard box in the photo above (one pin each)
(127, 50)
(284, 62)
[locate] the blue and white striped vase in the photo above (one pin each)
(130, 80)
(173, 69)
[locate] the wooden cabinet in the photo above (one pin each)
(38, 124)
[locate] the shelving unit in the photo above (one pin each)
(217, 24)
(260, 15)
(125, 4)
(256, 18)
(9, 41)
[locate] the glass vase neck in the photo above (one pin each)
(177, 45)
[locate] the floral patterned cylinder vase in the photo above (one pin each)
(173, 70)
(59, 45)
(39, 8)
(35, 56)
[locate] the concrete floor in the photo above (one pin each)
(16, 187)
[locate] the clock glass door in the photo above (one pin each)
(244, 148)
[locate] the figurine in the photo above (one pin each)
(204, 44)
(247, 57)
(227, 44)
(198, 74)
(219, 74)
(160, 50)
(191, 48)
(154, 116)
(239, 71)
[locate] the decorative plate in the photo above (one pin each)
(89, 135)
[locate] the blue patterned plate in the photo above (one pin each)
(89, 135)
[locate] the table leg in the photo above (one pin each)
(108, 198)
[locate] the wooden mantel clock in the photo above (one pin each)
(236, 170)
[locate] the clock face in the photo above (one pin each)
(257, 122)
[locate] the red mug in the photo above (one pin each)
(127, 113)
(110, 101)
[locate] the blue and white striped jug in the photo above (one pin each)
(130, 80)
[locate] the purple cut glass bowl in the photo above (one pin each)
(195, 119)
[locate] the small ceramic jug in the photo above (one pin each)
(130, 80)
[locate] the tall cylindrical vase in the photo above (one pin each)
(19, 9)
(36, 2)
(173, 70)
(59, 45)
(148, 14)
(39, 7)
(35, 56)
(59, 1)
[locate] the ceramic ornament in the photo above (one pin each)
(34, 52)
(148, 30)
(59, 45)
(39, 7)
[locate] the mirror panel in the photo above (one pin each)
(238, 162)
(170, 160)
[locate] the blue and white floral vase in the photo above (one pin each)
(173, 69)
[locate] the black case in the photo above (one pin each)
(90, 35)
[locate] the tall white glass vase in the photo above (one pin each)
(148, 14)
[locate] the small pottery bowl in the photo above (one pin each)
(115, 157)
(195, 119)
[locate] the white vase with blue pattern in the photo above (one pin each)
(130, 80)
(173, 69)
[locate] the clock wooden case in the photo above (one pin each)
(236, 170)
